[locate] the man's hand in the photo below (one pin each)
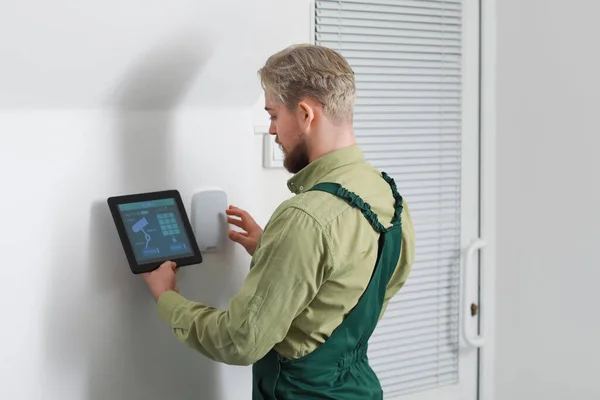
(162, 279)
(248, 238)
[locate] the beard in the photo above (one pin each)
(296, 159)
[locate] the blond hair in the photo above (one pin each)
(310, 71)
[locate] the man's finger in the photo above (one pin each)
(234, 211)
(237, 222)
(237, 233)
(239, 237)
(238, 212)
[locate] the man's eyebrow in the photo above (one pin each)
(268, 109)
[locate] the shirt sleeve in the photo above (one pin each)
(288, 268)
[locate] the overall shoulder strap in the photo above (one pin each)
(398, 205)
(354, 200)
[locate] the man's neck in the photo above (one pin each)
(330, 140)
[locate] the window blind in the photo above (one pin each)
(407, 58)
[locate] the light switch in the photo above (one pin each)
(209, 220)
(272, 153)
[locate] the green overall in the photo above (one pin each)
(339, 368)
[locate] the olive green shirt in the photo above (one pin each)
(313, 261)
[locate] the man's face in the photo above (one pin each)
(287, 129)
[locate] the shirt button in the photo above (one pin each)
(301, 188)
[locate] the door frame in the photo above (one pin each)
(487, 199)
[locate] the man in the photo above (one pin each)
(329, 259)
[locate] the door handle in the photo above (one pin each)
(477, 340)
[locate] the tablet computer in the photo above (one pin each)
(154, 228)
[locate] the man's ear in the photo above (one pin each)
(306, 115)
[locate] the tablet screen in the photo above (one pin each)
(155, 230)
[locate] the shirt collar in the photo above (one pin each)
(319, 168)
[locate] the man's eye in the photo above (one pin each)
(272, 118)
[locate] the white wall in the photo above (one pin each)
(548, 326)
(119, 97)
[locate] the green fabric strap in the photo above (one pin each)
(398, 199)
(354, 200)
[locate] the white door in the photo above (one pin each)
(417, 118)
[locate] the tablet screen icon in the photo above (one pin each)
(168, 224)
(139, 226)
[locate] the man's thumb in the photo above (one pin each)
(170, 265)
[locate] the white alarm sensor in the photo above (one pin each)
(209, 220)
